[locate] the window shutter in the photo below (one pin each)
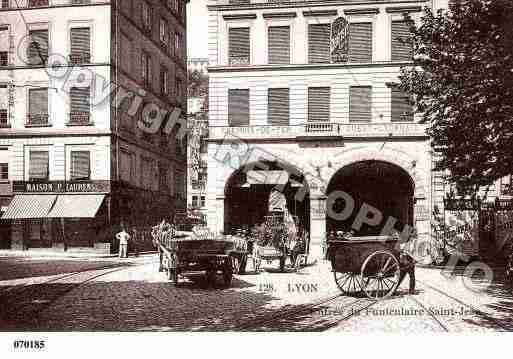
(238, 107)
(279, 45)
(401, 51)
(360, 104)
(319, 104)
(319, 43)
(360, 42)
(80, 165)
(239, 51)
(38, 101)
(402, 109)
(4, 39)
(35, 56)
(81, 42)
(38, 165)
(80, 99)
(278, 107)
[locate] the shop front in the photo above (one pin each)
(60, 215)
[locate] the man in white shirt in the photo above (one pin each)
(123, 237)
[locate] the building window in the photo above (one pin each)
(319, 104)
(80, 45)
(80, 105)
(319, 43)
(360, 104)
(146, 16)
(195, 201)
(172, 40)
(4, 58)
(163, 33)
(505, 186)
(178, 45)
(4, 4)
(146, 69)
(163, 176)
(37, 50)
(279, 45)
(402, 108)
(239, 46)
(360, 42)
(238, 107)
(278, 109)
(402, 47)
(38, 107)
(202, 203)
(164, 81)
(80, 166)
(37, 3)
(4, 46)
(38, 166)
(4, 171)
(4, 105)
(178, 90)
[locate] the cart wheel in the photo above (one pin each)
(243, 263)
(282, 264)
(227, 273)
(161, 267)
(348, 283)
(172, 275)
(381, 274)
(211, 277)
(235, 262)
(256, 264)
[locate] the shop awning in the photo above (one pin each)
(29, 206)
(76, 206)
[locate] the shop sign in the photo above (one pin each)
(59, 187)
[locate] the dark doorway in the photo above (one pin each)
(247, 198)
(382, 185)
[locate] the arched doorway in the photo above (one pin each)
(248, 190)
(382, 185)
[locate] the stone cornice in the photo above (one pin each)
(277, 15)
(291, 67)
(240, 17)
(308, 4)
(320, 13)
(367, 11)
(402, 9)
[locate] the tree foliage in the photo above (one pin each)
(197, 85)
(462, 83)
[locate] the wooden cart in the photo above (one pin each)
(368, 264)
(180, 255)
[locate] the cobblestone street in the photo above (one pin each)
(131, 295)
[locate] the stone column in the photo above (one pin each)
(317, 227)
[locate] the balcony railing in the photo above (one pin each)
(239, 60)
(320, 129)
(79, 119)
(80, 59)
(40, 119)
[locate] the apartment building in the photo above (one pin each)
(78, 81)
(304, 100)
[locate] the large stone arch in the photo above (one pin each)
(406, 162)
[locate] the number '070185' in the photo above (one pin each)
(29, 344)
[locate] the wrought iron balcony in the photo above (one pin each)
(80, 58)
(77, 118)
(36, 120)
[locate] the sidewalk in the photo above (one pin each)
(70, 254)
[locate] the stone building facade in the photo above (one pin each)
(303, 99)
(76, 163)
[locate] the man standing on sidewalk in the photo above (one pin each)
(407, 262)
(123, 237)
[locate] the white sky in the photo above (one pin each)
(197, 29)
